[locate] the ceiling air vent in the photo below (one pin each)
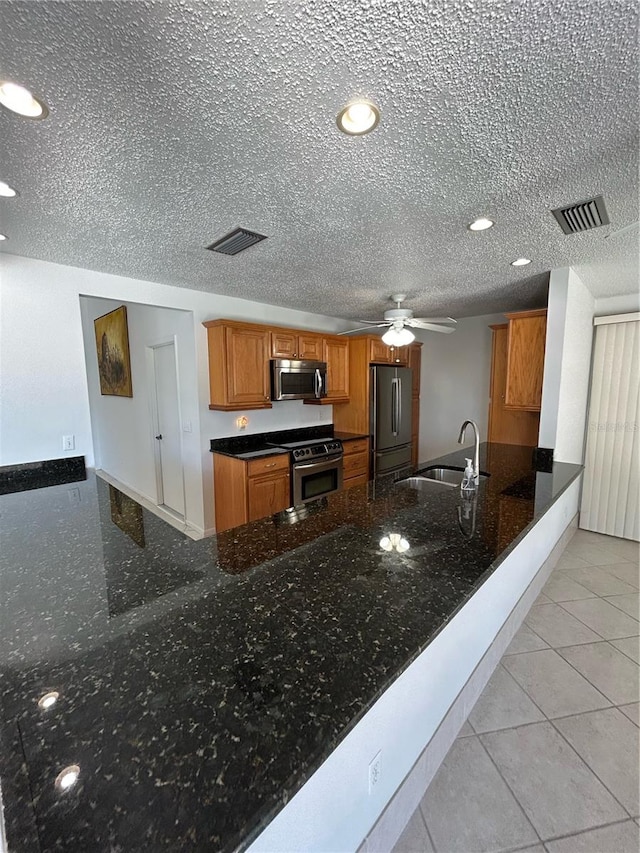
(582, 216)
(236, 241)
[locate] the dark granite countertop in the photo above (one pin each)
(201, 683)
(262, 444)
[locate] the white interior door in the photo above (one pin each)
(168, 439)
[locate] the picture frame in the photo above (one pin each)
(112, 347)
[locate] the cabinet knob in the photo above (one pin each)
(270, 465)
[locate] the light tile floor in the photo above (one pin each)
(548, 759)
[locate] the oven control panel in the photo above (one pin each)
(328, 448)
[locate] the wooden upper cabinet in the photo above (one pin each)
(238, 365)
(525, 359)
(379, 351)
(288, 343)
(415, 361)
(335, 351)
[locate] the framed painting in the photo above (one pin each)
(112, 344)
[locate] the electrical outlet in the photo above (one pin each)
(186, 426)
(374, 772)
(68, 442)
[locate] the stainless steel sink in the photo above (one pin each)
(449, 477)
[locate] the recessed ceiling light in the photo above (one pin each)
(520, 262)
(20, 100)
(358, 117)
(67, 777)
(3, 237)
(48, 700)
(481, 224)
(6, 191)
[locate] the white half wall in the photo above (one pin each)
(454, 384)
(567, 366)
(334, 809)
(43, 381)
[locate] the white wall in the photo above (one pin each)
(123, 428)
(567, 366)
(454, 384)
(625, 304)
(43, 383)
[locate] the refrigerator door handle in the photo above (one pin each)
(399, 419)
(395, 406)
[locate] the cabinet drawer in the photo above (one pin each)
(355, 463)
(360, 445)
(267, 464)
(350, 482)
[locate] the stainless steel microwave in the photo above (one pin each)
(298, 380)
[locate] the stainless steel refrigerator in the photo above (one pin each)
(390, 419)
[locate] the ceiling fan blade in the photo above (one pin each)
(434, 327)
(419, 322)
(364, 328)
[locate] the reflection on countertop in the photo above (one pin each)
(199, 684)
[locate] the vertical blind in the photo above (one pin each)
(612, 463)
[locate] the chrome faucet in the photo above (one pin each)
(476, 451)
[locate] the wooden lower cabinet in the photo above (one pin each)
(268, 494)
(355, 462)
(248, 490)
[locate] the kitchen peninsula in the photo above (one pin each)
(200, 684)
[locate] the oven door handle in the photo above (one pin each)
(328, 459)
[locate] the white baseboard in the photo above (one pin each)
(147, 502)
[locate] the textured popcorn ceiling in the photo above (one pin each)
(173, 122)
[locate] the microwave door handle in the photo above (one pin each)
(318, 383)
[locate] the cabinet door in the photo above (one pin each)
(378, 351)
(415, 361)
(525, 360)
(399, 356)
(268, 493)
(284, 344)
(336, 353)
(309, 347)
(415, 429)
(247, 366)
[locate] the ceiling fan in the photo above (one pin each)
(398, 319)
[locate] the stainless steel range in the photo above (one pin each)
(316, 468)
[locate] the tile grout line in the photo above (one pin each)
(582, 831)
(509, 788)
(588, 766)
(424, 821)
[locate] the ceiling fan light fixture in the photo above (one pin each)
(358, 117)
(398, 337)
